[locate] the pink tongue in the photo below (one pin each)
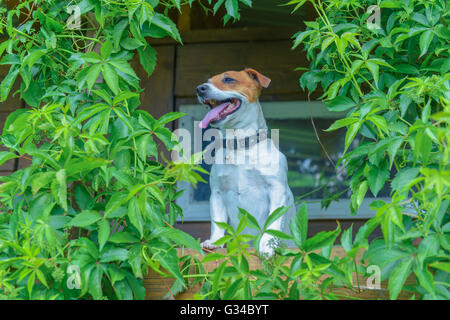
(213, 113)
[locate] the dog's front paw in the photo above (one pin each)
(208, 245)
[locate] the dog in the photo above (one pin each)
(259, 185)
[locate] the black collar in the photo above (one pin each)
(246, 142)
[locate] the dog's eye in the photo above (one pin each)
(228, 80)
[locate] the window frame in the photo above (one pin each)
(199, 210)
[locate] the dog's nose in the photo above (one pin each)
(202, 88)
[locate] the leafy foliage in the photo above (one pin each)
(97, 197)
(393, 81)
(305, 272)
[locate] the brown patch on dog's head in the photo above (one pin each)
(248, 82)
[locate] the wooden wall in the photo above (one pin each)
(11, 104)
(181, 68)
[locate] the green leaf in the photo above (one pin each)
(131, 44)
(33, 57)
(89, 112)
(425, 278)
(395, 215)
(106, 49)
(340, 103)
(215, 256)
(113, 254)
(115, 274)
(252, 222)
(167, 25)
(374, 70)
(377, 178)
(380, 122)
(118, 31)
(321, 239)
(124, 117)
(7, 83)
(41, 277)
(392, 149)
(95, 282)
(123, 237)
(425, 41)
(147, 58)
(135, 216)
(223, 240)
(326, 43)
(274, 216)
(232, 8)
(85, 218)
(169, 117)
(299, 226)
(361, 193)
(404, 177)
(350, 134)
(84, 165)
(123, 66)
(6, 155)
(41, 180)
(146, 146)
(299, 37)
(217, 5)
(278, 234)
(103, 232)
(178, 236)
(30, 282)
(111, 78)
(426, 112)
(232, 289)
(406, 68)
(444, 266)
(346, 239)
(225, 226)
(398, 277)
(60, 191)
(218, 273)
(92, 75)
(341, 123)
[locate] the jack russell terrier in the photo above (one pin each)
(259, 184)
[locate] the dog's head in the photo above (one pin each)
(228, 94)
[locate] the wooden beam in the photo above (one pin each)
(230, 35)
(275, 59)
(184, 19)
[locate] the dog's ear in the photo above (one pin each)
(258, 77)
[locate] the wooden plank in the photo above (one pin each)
(157, 97)
(13, 102)
(184, 19)
(244, 34)
(197, 62)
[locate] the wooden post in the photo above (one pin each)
(184, 19)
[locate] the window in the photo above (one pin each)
(308, 165)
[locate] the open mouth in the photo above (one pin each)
(219, 110)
